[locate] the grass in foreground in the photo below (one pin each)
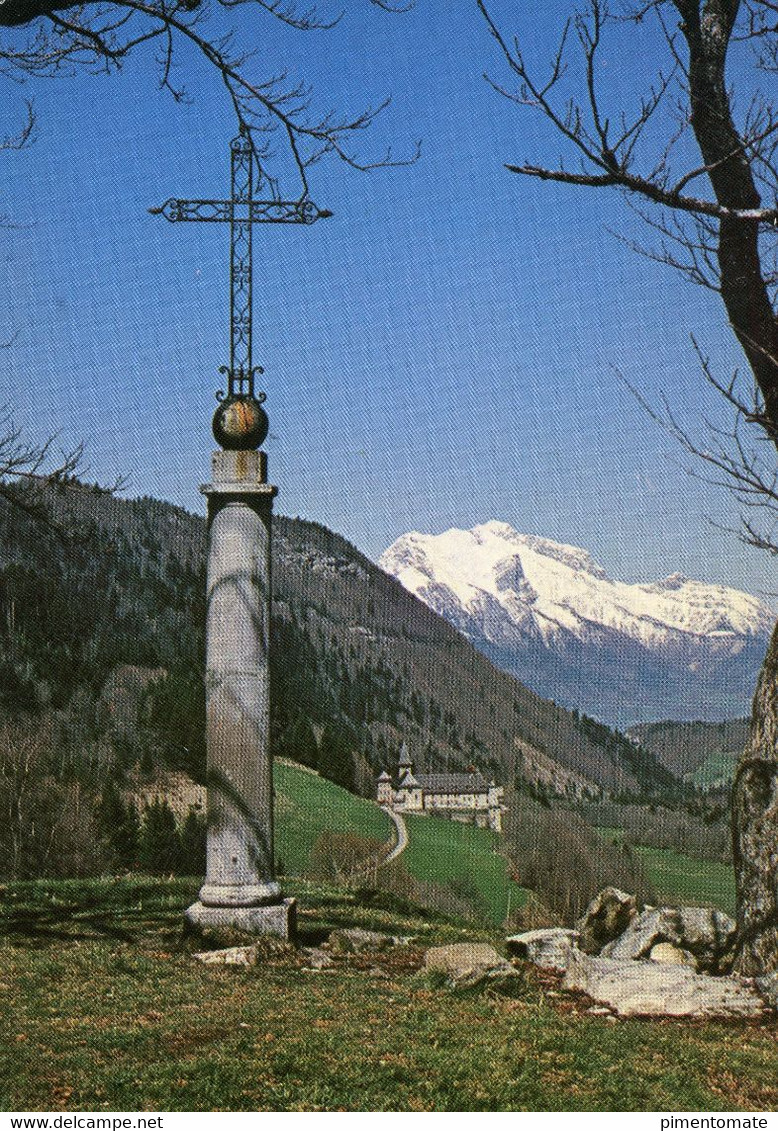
(104, 1010)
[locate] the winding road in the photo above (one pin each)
(402, 835)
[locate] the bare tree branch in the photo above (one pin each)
(733, 458)
(722, 236)
(60, 35)
(27, 469)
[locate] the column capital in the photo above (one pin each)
(239, 473)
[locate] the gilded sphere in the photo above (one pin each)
(240, 424)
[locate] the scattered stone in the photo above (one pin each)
(315, 958)
(767, 984)
(355, 940)
(651, 989)
(230, 956)
(669, 955)
(607, 916)
(267, 948)
(466, 965)
(547, 947)
(599, 1011)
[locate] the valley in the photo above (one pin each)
(100, 649)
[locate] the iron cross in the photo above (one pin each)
(241, 211)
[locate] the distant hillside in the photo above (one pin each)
(703, 753)
(358, 664)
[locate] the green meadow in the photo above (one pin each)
(448, 852)
(104, 1009)
(307, 805)
(683, 879)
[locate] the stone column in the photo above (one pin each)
(240, 888)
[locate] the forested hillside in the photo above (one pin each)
(101, 629)
(704, 753)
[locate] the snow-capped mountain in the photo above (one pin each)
(549, 614)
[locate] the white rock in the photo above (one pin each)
(469, 964)
(547, 947)
(669, 955)
(650, 989)
(231, 956)
(703, 931)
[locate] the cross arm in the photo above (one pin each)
(205, 210)
(254, 212)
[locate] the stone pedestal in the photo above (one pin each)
(240, 888)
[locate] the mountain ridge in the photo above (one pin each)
(549, 613)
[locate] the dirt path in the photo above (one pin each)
(402, 835)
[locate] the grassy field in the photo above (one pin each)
(105, 1009)
(102, 1006)
(446, 852)
(678, 878)
(439, 851)
(307, 805)
(682, 879)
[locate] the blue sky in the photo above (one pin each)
(441, 352)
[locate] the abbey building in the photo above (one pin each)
(462, 797)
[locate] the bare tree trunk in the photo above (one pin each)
(732, 240)
(755, 830)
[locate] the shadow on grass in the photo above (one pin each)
(120, 910)
(134, 908)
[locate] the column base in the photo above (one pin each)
(278, 919)
(240, 895)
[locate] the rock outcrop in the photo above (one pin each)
(661, 962)
(466, 965)
(607, 916)
(548, 947)
(651, 989)
(704, 932)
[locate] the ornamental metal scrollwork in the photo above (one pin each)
(241, 211)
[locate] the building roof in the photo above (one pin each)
(409, 782)
(453, 783)
(384, 776)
